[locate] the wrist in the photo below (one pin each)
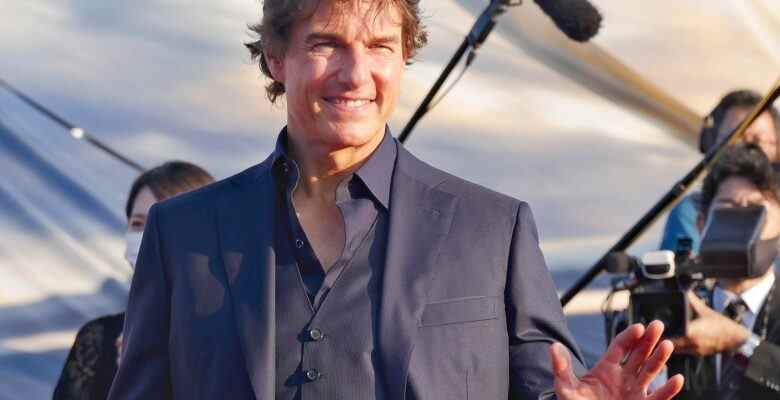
(739, 337)
(749, 345)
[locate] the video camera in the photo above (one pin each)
(658, 282)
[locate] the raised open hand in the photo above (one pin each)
(623, 373)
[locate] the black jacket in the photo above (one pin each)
(467, 306)
(91, 364)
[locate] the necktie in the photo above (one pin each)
(735, 310)
(731, 370)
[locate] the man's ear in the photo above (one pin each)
(700, 220)
(275, 66)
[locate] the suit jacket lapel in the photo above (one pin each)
(420, 217)
(245, 220)
(772, 305)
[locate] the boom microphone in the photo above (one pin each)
(578, 19)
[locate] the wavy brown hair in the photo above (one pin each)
(275, 28)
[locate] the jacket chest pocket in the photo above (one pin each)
(460, 311)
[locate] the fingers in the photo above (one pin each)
(669, 389)
(623, 343)
(681, 344)
(561, 363)
(645, 346)
(655, 364)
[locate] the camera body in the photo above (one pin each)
(662, 295)
(662, 279)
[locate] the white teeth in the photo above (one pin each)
(351, 103)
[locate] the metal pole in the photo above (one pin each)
(672, 195)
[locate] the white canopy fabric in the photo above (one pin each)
(59, 246)
(535, 117)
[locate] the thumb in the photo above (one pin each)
(561, 363)
(697, 304)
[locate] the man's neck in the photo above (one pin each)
(322, 168)
(739, 286)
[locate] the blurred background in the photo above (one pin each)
(591, 135)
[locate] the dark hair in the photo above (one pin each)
(744, 160)
(741, 98)
(168, 180)
(275, 28)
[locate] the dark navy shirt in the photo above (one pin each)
(361, 198)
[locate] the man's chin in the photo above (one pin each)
(355, 136)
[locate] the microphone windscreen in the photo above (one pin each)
(578, 19)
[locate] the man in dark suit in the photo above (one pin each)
(736, 341)
(342, 267)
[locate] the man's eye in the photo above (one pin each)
(384, 48)
(324, 46)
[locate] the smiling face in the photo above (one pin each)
(342, 73)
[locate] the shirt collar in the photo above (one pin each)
(280, 153)
(753, 297)
(376, 173)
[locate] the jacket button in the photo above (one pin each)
(316, 335)
(312, 375)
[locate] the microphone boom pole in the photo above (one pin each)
(672, 195)
(75, 131)
(478, 34)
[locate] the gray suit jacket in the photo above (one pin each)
(467, 310)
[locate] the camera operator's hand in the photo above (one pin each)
(625, 371)
(710, 333)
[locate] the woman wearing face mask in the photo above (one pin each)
(92, 361)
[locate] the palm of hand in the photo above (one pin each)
(611, 378)
(604, 381)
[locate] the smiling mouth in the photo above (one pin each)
(350, 104)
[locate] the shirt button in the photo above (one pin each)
(316, 335)
(299, 243)
(312, 375)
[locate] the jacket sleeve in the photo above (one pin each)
(764, 366)
(144, 369)
(534, 315)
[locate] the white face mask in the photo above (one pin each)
(133, 243)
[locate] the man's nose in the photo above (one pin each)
(355, 68)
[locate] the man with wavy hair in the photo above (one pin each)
(342, 267)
